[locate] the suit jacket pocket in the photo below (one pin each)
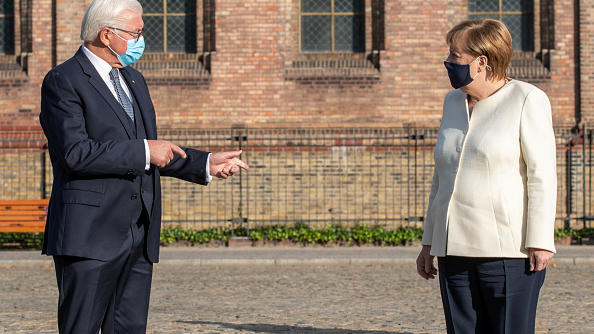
(75, 196)
(95, 185)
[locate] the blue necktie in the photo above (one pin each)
(122, 97)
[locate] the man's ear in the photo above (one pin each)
(104, 36)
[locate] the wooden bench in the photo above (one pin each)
(23, 215)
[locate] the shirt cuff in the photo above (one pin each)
(147, 156)
(208, 176)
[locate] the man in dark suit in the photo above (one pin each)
(104, 216)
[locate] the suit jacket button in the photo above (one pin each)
(134, 196)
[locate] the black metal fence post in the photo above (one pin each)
(584, 194)
(238, 137)
(589, 193)
(568, 184)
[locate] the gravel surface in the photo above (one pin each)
(331, 298)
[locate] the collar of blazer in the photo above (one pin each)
(142, 98)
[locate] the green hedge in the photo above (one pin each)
(21, 240)
(299, 233)
(574, 234)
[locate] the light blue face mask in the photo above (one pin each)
(134, 50)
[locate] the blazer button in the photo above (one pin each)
(459, 149)
(134, 196)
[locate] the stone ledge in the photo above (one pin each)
(177, 81)
(177, 69)
(332, 69)
(11, 71)
(529, 66)
(13, 77)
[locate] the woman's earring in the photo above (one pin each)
(489, 68)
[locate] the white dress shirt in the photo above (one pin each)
(103, 68)
(494, 187)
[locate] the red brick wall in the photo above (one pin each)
(561, 86)
(258, 40)
(69, 16)
(15, 95)
(587, 61)
(248, 86)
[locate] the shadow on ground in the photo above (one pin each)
(270, 328)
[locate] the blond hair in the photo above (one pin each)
(486, 37)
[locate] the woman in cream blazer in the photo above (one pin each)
(491, 213)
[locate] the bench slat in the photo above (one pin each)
(24, 202)
(22, 207)
(21, 229)
(21, 223)
(22, 213)
(16, 227)
(22, 219)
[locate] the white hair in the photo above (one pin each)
(105, 13)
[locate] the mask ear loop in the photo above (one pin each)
(120, 37)
(477, 73)
(115, 53)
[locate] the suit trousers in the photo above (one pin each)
(109, 295)
(489, 295)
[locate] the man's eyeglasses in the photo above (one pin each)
(133, 33)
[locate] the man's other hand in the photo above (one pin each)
(225, 164)
(162, 152)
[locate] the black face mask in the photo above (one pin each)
(459, 74)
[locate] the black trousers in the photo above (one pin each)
(109, 295)
(489, 295)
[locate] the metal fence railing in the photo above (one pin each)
(314, 176)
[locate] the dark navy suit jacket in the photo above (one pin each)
(97, 162)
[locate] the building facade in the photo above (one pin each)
(304, 63)
(335, 102)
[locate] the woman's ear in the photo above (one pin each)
(483, 61)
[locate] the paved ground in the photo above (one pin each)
(311, 290)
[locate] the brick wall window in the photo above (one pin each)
(547, 24)
(332, 25)
(336, 42)
(531, 57)
(517, 15)
(175, 55)
(7, 27)
(169, 25)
